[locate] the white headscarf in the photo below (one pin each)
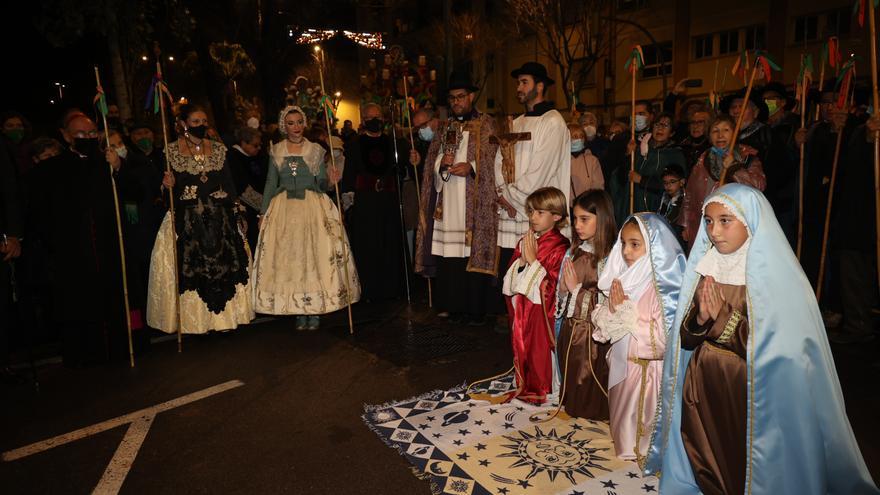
(636, 279)
(726, 268)
(282, 128)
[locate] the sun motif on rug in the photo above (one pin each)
(554, 454)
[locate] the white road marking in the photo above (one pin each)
(140, 422)
(122, 460)
(88, 431)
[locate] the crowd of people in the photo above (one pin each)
(515, 222)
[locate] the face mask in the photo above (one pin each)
(145, 144)
(771, 106)
(15, 135)
(114, 122)
(426, 134)
(337, 155)
(374, 125)
(577, 145)
(122, 151)
(198, 131)
(641, 122)
(718, 151)
(86, 146)
(590, 131)
(253, 123)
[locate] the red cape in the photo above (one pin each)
(531, 334)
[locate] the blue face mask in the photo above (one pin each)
(426, 134)
(718, 151)
(577, 145)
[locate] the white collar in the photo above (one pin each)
(727, 269)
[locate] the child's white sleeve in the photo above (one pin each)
(526, 281)
(611, 327)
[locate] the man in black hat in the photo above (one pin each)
(544, 160)
(457, 235)
(780, 165)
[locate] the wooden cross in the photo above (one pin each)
(507, 142)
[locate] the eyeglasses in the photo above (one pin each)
(662, 125)
(86, 134)
(457, 98)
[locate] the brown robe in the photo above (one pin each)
(587, 366)
(714, 398)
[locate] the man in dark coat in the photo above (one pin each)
(74, 215)
(11, 228)
(375, 224)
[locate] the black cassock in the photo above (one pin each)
(374, 220)
(71, 205)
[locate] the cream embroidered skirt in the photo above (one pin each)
(195, 315)
(300, 263)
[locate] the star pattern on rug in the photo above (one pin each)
(452, 438)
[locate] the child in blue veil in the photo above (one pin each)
(750, 398)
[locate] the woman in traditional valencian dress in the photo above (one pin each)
(212, 260)
(303, 256)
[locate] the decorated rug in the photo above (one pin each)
(472, 447)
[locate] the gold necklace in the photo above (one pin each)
(199, 158)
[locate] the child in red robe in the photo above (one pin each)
(530, 290)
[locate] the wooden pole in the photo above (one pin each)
(873, 40)
(821, 278)
(821, 85)
(412, 144)
(119, 234)
(800, 234)
(338, 199)
(632, 156)
(159, 87)
(739, 120)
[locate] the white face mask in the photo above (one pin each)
(122, 151)
(337, 154)
(590, 131)
(253, 123)
(641, 122)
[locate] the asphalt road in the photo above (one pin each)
(294, 426)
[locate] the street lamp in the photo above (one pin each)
(144, 58)
(171, 58)
(60, 90)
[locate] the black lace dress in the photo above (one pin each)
(210, 250)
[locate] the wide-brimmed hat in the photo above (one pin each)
(754, 97)
(534, 69)
(460, 80)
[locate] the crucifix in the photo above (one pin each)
(506, 142)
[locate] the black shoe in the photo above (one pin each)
(456, 318)
(477, 321)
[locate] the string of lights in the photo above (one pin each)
(312, 36)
